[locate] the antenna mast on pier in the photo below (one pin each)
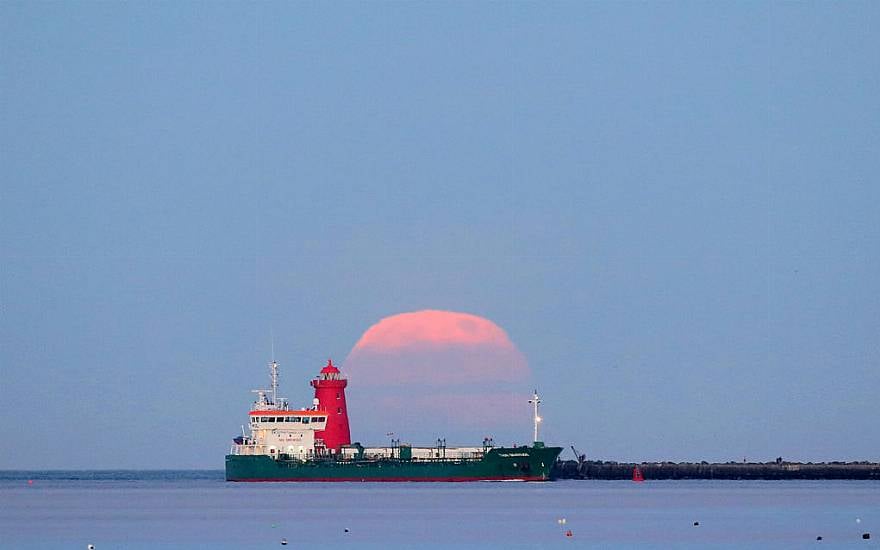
(535, 401)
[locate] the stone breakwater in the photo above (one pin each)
(597, 469)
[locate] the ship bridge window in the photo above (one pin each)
(305, 420)
(320, 419)
(271, 419)
(263, 419)
(295, 419)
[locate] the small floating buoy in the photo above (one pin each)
(283, 542)
(696, 524)
(274, 526)
(858, 520)
(569, 533)
(561, 521)
(346, 530)
(90, 547)
(866, 536)
(819, 537)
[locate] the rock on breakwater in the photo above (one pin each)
(598, 469)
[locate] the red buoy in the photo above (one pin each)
(330, 394)
(637, 475)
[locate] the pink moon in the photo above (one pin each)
(429, 373)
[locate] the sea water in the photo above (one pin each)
(171, 510)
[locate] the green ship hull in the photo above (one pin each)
(499, 464)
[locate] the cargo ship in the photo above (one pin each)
(314, 444)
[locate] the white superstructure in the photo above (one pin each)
(276, 429)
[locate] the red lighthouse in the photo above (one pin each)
(330, 394)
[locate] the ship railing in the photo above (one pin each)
(447, 453)
(249, 449)
(457, 458)
(386, 454)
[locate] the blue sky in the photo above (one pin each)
(671, 208)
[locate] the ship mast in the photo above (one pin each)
(535, 401)
(273, 371)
